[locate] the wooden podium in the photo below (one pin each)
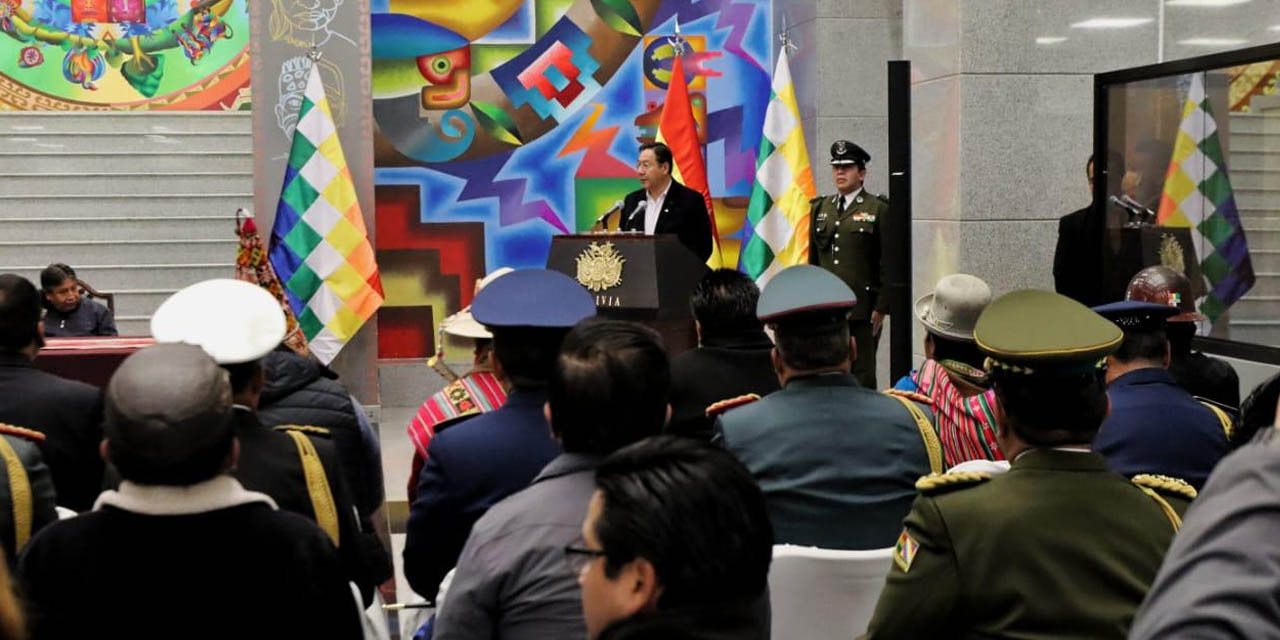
(635, 277)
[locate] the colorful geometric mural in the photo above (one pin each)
(501, 124)
(66, 55)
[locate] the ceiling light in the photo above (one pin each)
(1050, 39)
(1204, 3)
(1213, 42)
(1111, 23)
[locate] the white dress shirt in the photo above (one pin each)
(653, 208)
(846, 200)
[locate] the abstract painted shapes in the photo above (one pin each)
(442, 57)
(555, 76)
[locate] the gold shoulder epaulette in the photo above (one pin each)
(936, 482)
(911, 395)
(722, 406)
(1166, 485)
(29, 434)
(884, 197)
(309, 430)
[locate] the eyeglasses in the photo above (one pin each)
(577, 557)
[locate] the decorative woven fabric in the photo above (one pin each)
(252, 266)
(966, 425)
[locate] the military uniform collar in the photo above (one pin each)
(853, 197)
(1146, 375)
(823, 380)
(1060, 460)
(568, 463)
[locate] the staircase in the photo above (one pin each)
(139, 204)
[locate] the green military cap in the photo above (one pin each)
(804, 290)
(845, 152)
(1038, 332)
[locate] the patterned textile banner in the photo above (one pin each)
(778, 216)
(252, 266)
(319, 245)
(1197, 193)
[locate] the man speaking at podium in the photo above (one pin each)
(664, 205)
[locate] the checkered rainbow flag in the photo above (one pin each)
(1197, 193)
(778, 213)
(319, 246)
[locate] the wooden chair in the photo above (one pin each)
(94, 293)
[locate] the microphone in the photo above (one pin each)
(1143, 212)
(617, 206)
(640, 206)
(1132, 208)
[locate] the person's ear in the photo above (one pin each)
(853, 350)
(104, 450)
(776, 358)
(667, 420)
(641, 589)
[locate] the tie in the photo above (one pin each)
(844, 203)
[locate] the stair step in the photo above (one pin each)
(116, 277)
(12, 162)
(121, 228)
(1254, 178)
(1258, 198)
(119, 145)
(1244, 159)
(1266, 284)
(149, 251)
(121, 205)
(35, 184)
(126, 122)
(1253, 124)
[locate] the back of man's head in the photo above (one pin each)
(168, 416)
(813, 341)
(693, 512)
(1143, 347)
(527, 354)
(724, 301)
(19, 313)
(609, 386)
(1048, 411)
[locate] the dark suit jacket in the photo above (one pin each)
(470, 467)
(723, 367)
(69, 414)
(1077, 259)
(684, 213)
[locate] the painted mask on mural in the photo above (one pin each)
(449, 76)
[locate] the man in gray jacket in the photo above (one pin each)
(609, 389)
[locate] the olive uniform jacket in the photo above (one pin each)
(1058, 547)
(849, 244)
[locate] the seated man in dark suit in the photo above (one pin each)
(71, 314)
(472, 466)
(68, 413)
(733, 354)
(666, 206)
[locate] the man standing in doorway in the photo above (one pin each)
(846, 239)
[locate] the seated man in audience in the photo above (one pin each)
(608, 390)
(1202, 376)
(237, 323)
(838, 463)
(181, 548)
(489, 457)
(1155, 426)
(475, 392)
(676, 545)
(67, 312)
(732, 358)
(1220, 577)
(952, 375)
(1057, 547)
(66, 412)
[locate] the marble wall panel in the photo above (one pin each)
(852, 71)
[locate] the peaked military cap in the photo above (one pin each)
(804, 289)
(1038, 332)
(232, 320)
(532, 298)
(1132, 315)
(845, 152)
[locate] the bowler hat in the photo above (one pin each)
(952, 309)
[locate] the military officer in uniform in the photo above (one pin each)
(846, 237)
(237, 324)
(837, 461)
(1058, 546)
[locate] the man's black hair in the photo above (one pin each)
(661, 153)
(19, 313)
(242, 374)
(201, 465)
(811, 341)
(1047, 411)
(54, 275)
(609, 386)
(945, 348)
(1180, 335)
(724, 301)
(1142, 345)
(694, 512)
(527, 354)
(1258, 411)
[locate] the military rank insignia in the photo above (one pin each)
(904, 553)
(863, 217)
